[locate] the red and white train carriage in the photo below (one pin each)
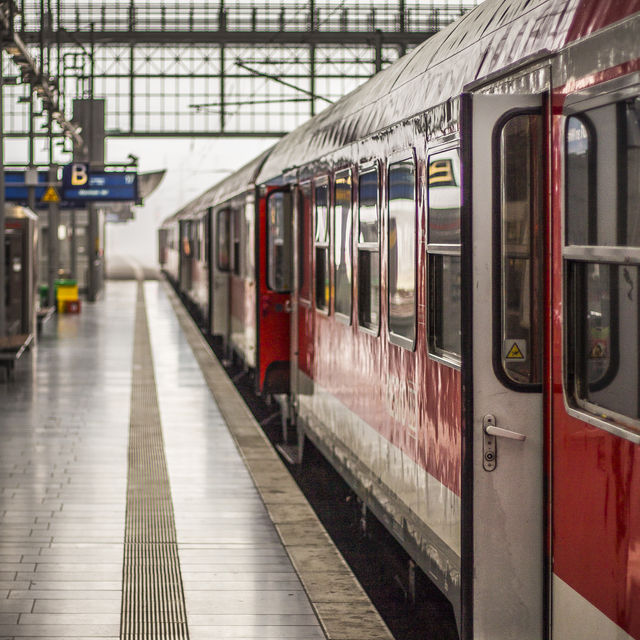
(464, 321)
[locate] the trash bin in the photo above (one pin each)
(43, 293)
(67, 296)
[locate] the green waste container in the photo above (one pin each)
(43, 292)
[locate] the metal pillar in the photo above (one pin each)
(92, 254)
(3, 275)
(74, 246)
(54, 220)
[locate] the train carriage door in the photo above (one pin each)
(274, 290)
(301, 310)
(186, 255)
(220, 268)
(504, 561)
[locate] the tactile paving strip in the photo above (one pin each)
(153, 604)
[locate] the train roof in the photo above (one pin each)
(494, 35)
(224, 190)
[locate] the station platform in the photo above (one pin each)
(140, 499)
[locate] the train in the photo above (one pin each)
(438, 277)
(20, 282)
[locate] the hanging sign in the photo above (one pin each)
(81, 184)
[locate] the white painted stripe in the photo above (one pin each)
(575, 618)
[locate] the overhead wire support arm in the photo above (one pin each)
(270, 76)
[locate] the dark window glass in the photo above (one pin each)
(342, 242)
(521, 257)
(207, 238)
(223, 232)
(401, 248)
(279, 242)
(630, 232)
(322, 276)
(305, 237)
(368, 251)
(580, 180)
(236, 258)
(606, 301)
(445, 304)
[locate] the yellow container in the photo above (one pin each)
(67, 292)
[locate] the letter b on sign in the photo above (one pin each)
(79, 175)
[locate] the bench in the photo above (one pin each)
(12, 348)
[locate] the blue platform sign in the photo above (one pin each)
(80, 184)
(16, 191)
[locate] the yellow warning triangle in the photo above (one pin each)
(515, 353)
(50, 195)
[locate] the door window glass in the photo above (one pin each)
(279, 241)
(521, 258)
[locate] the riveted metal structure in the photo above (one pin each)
(218, 69)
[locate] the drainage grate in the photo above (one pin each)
(152, 594)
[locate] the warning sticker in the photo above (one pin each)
(50, 195)
(515, 350)
(598, 350)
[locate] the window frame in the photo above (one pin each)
(443, 356)
(498, 283)
(318, 182)
(284, 191)
(392, 159)
(235, 242)
(226, 211)
(371, 247)
(305, 242)
(340, 315)
(575, 256)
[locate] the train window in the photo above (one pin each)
(196, 239)
(580, 182)
(279, 241)
(443, 249)
(602, 262)
(342, 243)
(249, 240)
(321, 243)
(223, 229)
(368, 251)
(520, 227)
(304, 235)
(236, 238)
(207, 238)
(401, 274)
(186, 238)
